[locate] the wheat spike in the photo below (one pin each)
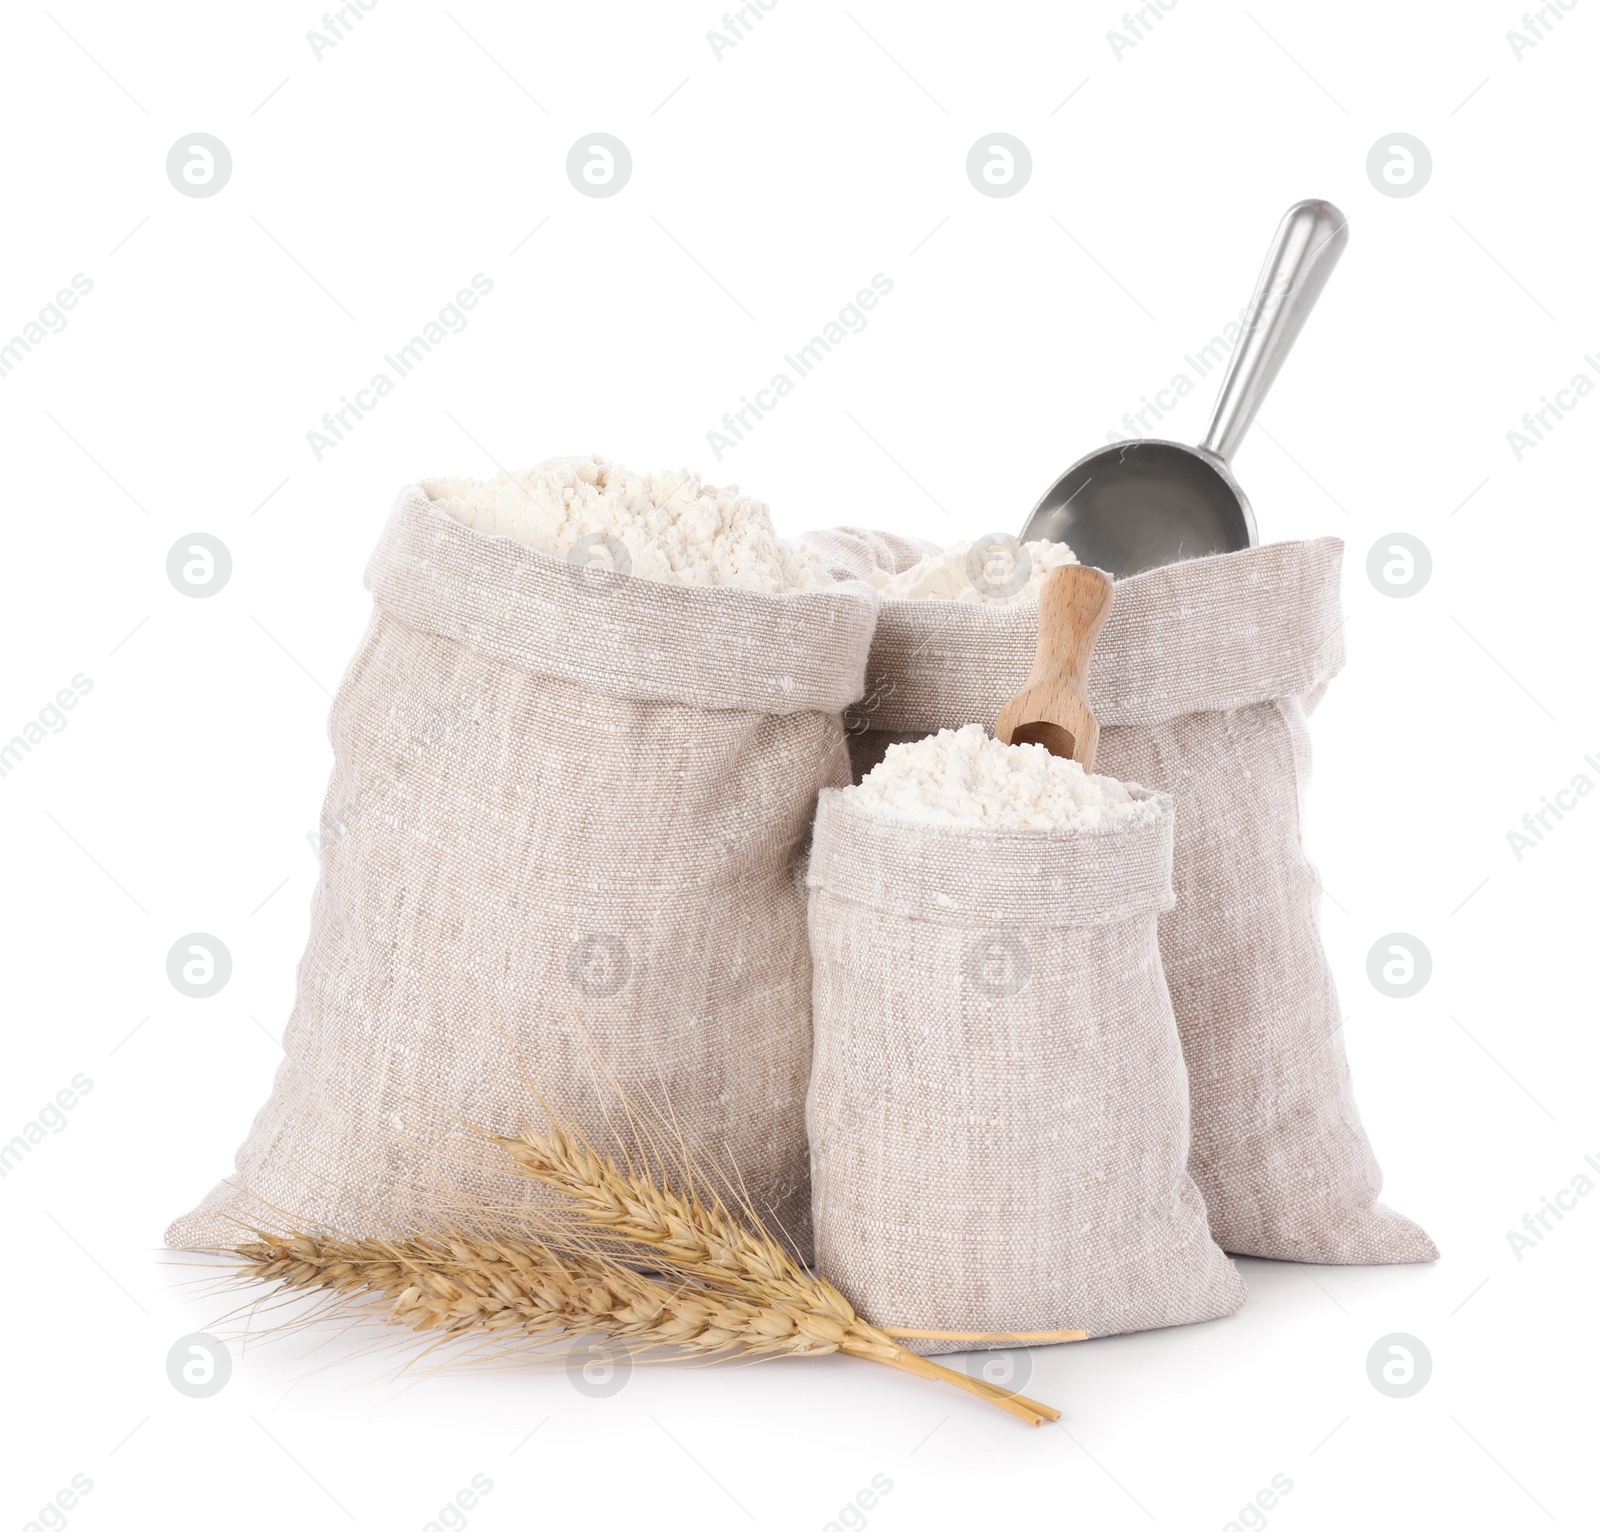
(456, 1283)
(685, 1229)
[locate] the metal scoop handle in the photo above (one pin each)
(1305, 250)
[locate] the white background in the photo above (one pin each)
(768, 186)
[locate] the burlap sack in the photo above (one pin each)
(564, 827)
(1202, 682)
(998, 1112)
(857, 553)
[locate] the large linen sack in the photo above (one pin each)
(998, 1112)
(1202, 682)
(562, 835)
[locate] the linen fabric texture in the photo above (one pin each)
(1202, 681)
(561, 846)
(998, 1114)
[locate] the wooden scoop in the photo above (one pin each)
(1074, 602)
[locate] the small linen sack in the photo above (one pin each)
(998, 1113)
(1202, 682)
(563, 835)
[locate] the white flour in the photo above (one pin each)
(996, 575)
(962, 777)
(670, 525)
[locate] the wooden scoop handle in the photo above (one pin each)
(1051, 710)
(1074, 602)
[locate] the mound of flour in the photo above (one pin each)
(671, 526)
(994, 574)
(963, 777)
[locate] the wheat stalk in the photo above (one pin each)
(457, 1283)
(698, 1236)
(720, 1285)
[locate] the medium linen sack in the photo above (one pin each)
(998, 1113)
(1202, 682)
(563, 835)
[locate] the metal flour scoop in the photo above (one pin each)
(1143, 503)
